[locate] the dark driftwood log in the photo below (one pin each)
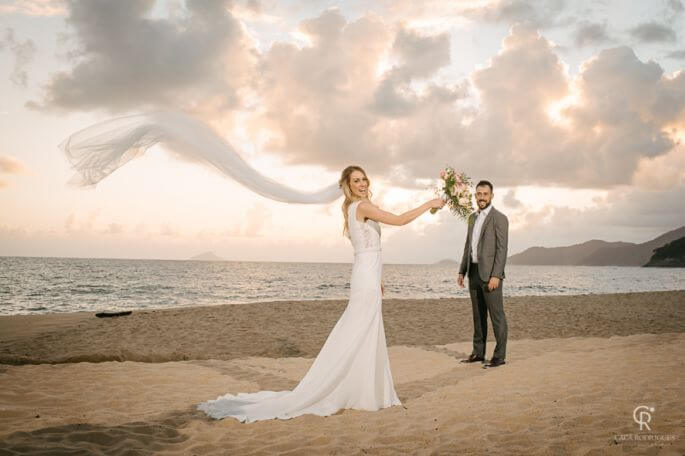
(113, 314)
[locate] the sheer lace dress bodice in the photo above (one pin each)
(365, 236)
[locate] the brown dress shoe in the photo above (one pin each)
(472, 359)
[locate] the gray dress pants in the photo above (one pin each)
(483, 302)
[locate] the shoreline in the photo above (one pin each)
(324, 300)
(279, 329)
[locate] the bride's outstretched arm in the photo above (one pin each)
(368, 210)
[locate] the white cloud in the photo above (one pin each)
(125, 59)
(617, 114)
(591, 33)
(326, 104)
(650, 32)
(24, 53)
(531, 13)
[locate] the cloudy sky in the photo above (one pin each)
(574, 110)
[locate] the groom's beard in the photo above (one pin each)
(484, 207)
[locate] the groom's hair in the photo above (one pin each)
(484, 182)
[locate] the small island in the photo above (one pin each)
(671, 255)
(447, 261)
(207, 256)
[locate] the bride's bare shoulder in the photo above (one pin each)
(365, 206)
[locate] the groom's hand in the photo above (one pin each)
(493, 283)
(460, 280)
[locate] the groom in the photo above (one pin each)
(485, 254)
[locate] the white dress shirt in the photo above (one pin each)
(475, 236)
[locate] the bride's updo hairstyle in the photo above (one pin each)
(344, 183)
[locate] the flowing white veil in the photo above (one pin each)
(98, 150)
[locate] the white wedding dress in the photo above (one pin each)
(352, 370)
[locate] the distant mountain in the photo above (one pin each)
(596, 252)
(447, 261)
(670, 255)
(207, 256)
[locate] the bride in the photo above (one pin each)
(352, 370)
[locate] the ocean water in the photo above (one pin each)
(33, 285)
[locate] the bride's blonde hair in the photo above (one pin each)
(344, 183)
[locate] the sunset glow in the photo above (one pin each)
(571, 127)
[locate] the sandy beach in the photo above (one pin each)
(577, 367)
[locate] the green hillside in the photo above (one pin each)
(670, 255)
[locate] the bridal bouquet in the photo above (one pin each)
(455, 190)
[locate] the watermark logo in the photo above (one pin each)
(642, 415)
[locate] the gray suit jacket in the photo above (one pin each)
(492, 246)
